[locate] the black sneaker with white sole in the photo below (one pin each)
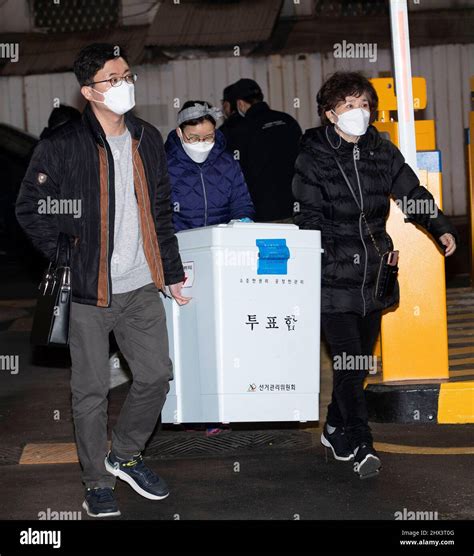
(366, 461)
(338, 442)
(100, 502)
(140, 477)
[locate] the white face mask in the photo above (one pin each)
(196, 151)
(353, 122)
(241, 113)
(119, 99)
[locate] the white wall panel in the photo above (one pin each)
(26, 102)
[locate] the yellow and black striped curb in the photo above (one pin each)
(445, 402)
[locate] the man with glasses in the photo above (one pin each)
(124, 252)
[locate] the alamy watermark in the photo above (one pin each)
(236, 257)
(53, 515)
(33, 536)
(346, 49)
(60, 206)
(405, 514)
(10, 363)
(418, 206)
(10, 50)
(345, 362)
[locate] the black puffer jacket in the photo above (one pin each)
(75, 164)
(324, 202)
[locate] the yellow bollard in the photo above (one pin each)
(415, 335)
(414, 338)
(470, 158)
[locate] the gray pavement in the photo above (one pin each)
(260, 472)
(263, 482)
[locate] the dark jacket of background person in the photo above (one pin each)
(326, 204)
(268, 148)
(58, 117)
(233, 129)
(76, 162)
(206, 194)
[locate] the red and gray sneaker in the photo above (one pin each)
(366, 461)
(338, 442)
(100, 502)
(140, 477)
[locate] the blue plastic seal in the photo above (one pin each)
(273, 255)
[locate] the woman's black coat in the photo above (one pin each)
(324, 202)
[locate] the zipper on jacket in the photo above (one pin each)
(133, 154)
(356, 156)
(150, 233)
(109, 280)
(356, 152)
(140, 140)
(205, 197)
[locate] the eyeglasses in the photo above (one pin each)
(196, 139)
(117, 81)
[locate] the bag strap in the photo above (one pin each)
(348, 183)
(358, 204)
(63, 239)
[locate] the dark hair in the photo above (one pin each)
(62, 114)
(253, 99)
(196, 121)
(93, 58)
(232, 104)
(229, 96)
(247, 90)
(341, 85)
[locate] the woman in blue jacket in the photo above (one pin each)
(207, 184)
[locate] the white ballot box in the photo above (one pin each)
(246, 347)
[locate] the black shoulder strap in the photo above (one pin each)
(348, 182)
(357, 203)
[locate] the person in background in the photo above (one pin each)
(348, 154)
(268, 146)
(233, 126)
(59, 116)
(207, 184)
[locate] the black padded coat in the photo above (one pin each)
(324, 202)
(76, 163)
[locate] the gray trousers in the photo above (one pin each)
(138, 321)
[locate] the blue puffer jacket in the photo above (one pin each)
(206, 194)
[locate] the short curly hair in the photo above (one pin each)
(341, 85)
